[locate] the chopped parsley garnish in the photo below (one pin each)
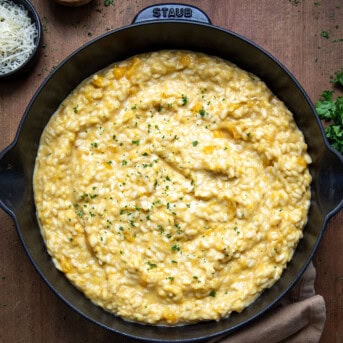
(236, 230)
(123, 162)
(195, 143)
(152, 265)
(213, 293)
(176, 247)
(80, 213)
(202, 112)
(75, 109)
(136, 142)
(184, 100)
(94, 144)
(108, 2)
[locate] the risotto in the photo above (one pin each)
(172, 187)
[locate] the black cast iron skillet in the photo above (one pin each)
(166, 27)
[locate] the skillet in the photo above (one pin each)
(167, 26)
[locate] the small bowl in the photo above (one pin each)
(29, 63)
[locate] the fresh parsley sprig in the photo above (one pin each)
(331, 110)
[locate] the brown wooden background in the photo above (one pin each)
(289, 29)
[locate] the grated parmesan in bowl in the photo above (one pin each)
(19, 35)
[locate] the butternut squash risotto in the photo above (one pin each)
(172, 187)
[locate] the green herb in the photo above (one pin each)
(213, 293)
(134, 107)
(108, 2)
(295, 2)
(171, 278)
(76, 109)
(195, 143)
(325, 34)
(152, 265)
(94, 144)
(202, 112)
(136, 142)
(175, 247)
(236, 230)
(331, 110)
(123, 162)
(339, 78)
(80, 213)
(184, 100)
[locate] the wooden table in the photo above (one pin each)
(289, 29)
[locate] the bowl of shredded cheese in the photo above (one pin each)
(20, 37)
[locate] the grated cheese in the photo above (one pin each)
(17, 36)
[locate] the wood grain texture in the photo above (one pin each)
(289, 29)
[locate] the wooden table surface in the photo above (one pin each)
(289, 29)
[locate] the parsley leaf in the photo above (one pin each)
(202, 112)
(331, 110)
(184, 100)
(339, 77)
(213, 293)
(326, 107)
(325, 34)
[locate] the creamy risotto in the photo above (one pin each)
(172, 187)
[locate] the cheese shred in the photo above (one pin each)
(17, 36)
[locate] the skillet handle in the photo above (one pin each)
(171, 11)
(12, 183)
(330, 183)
